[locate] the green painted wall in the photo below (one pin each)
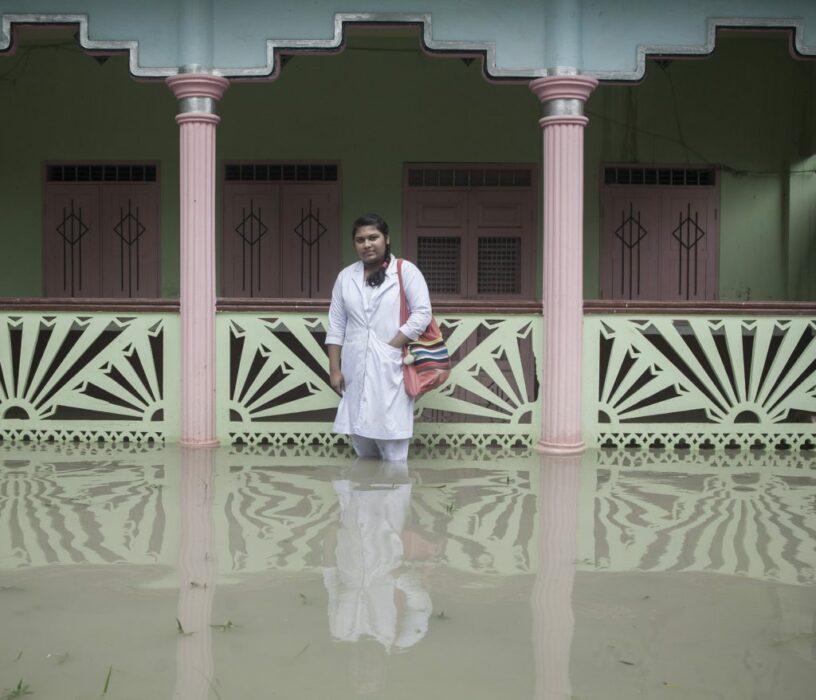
(377, 105)
(56, 103)
(749, 109)
(382, 102)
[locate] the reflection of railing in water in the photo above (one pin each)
(741, 521)
(62, 504)
(485, 514)
(70, 511)
(59, 508)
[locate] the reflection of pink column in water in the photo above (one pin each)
(563, 122)
(197, 571)
(197, 94)
(553, 619)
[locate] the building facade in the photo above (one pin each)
(615, 209)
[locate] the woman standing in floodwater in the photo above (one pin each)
(365, 341)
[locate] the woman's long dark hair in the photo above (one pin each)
(376, 278)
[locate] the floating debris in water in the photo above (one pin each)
(228, 625)
(17, 692)
(181, 629)
(107, 681)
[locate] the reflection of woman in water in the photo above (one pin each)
(372, 593)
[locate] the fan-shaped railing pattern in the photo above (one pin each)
(273, 382)
(700, 382)
(89, 376)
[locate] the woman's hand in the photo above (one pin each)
(336, 381)
(335, 375)
(398, 340)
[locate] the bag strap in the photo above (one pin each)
(403, 301)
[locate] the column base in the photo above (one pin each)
(551, 448)
(199, 443)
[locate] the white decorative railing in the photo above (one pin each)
(71, 375)
(273, 381)
(700, 381)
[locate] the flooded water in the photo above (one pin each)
(140, 572)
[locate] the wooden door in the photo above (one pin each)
(129, 229)
(250, 240)
(71, 243)
(689, 236)
(630, 243)
(310, 240)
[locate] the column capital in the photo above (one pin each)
(563, 87)
(186, 85)
(196, 92)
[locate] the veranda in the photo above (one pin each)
(696, 257)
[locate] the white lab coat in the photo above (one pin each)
(375, 404)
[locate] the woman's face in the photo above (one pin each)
(370, 244)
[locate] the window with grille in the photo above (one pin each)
(471, 229)
(438, 258)
(280, 236)
(101, 233)
(659, 233)
(499, 262)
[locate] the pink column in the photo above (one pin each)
(197, 94)
(562, 98)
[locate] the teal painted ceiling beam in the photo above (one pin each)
(519, 38)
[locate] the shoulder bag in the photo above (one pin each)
(426, 364)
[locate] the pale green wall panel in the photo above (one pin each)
(751, 222)
(802, 238)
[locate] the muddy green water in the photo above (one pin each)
(140, 572)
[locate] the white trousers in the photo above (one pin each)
(387, 450)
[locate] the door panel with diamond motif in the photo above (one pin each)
(630, 246)
(689, 235)
(280, 240)
(71, 242)
(310, 222)
(129, 231)
(659, 243)
(250, 240)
